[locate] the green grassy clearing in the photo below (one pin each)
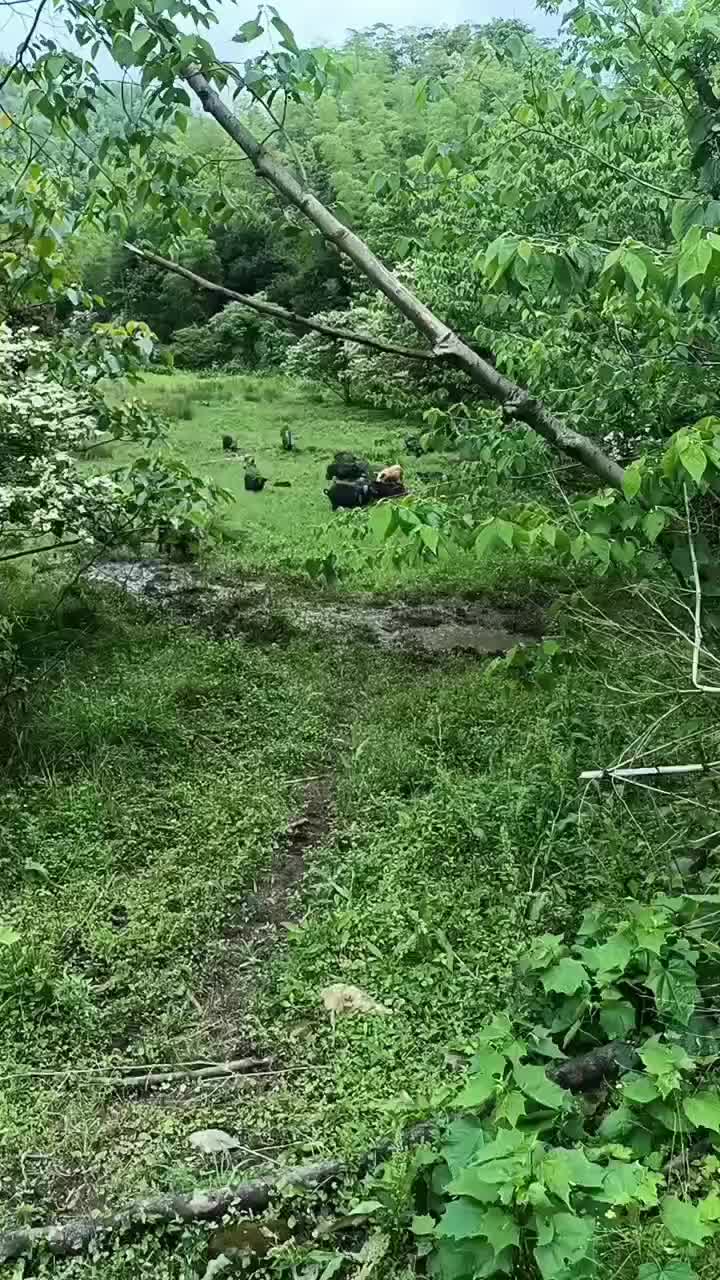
(144, 796)
(279, 529)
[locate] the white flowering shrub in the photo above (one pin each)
(52, 410)
(358, 373)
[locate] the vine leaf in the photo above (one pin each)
(703, 1109)
(463, 1140)
(684, 1222)
(533, 1082)
(462, 1220)
(566, 977)
(570, 1243)
(669, 1271)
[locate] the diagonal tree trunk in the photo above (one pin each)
(446, 345)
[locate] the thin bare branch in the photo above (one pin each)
(280, 313)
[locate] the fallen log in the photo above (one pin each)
(82, 1234)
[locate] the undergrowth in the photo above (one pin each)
(148, 785)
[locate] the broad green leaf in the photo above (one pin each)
(710, 1208)
(617, 1018)
(640, 1089)
(687, 212)
(534, 1082)
(507, 1142)
(570, 1244)
(684, 1222)
(54, 65)
(140, 37)
(632, 481)
(510, 1108)
(581, 1171)
(653, 524)
(694, 461)
(8, 937)
(430, 536)
(617, 1123)
(482, 1182)
(464, 1138)
(543, 951)
(462, 1220)
(675, 989)
(488, 1062)
(661, 1059)
(627, 1183)
(500, 1230)
(693, 263)
(636, 268)
(612, 957)
(45, 246)
(486, 538)
(666, 1271)
(566, 977)
(505, 531)
(423, 1225)
(382, 519)
(286, 33)
(250, 30)
(555, 1176)
(478, 1090)
(463, 1261)
(703, 1109)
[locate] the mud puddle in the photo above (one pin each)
(448, 626)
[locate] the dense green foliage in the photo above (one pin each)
(558, 203)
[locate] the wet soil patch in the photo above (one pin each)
(448, 626)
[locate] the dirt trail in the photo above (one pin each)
(452, 625)
(252, 935)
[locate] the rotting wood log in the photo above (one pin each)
(80, 1235)
(590, 1070)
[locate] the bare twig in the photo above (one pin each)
(23, 46)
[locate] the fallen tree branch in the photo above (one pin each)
(217, 1071)
(78, 1236)
(281, 313)
(517, 404)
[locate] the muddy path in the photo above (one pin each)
(444, 626)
